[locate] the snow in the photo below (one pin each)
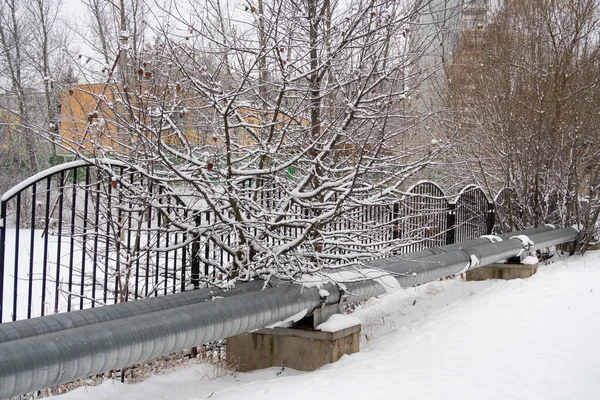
(53, 170)
(423, 181)
(309, 281)
(466, 189)
(530, 260)
(53, 300)
(492, 238)
(288, 322)
(56, 295)
(473, 263)
(533, 339)
(527, 243)
(338, 322)
(384, 278)
(387, 281)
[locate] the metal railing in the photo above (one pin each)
(81, 235)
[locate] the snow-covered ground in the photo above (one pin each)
(523, 339)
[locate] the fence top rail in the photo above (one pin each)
(470, 187)
(504, 190)
(54, 170)
(409, 192)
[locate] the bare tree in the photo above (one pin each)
(33, 62)
(280, 119)
(526, 101)
(13, 36)
(102, 33)
(46, 55)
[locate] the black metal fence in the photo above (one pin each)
(79, 236)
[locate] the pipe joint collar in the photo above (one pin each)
(492, 238)
(525, 241)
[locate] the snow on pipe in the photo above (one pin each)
(41, 361)
(385, 262)
(58, 322)
(370, 282)
(411, 273)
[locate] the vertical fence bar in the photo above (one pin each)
(72, 240)
(16, 264)
(61, 195)
(148, 241)
(473, 218)
(107, 241)
(175, 251)
(166, 273)
(207, 248)
(96, 233)
(138, 245)
(451, 224)
(129, 253)
(491, 218)
(184, 249)
(158, 235)
(31, 249)
(221, 256)
(420, 222)
(195, 273)
(228, 256)
(84, 236)
(46, 233)
(2, 255)
(184, 253)
(118, 238)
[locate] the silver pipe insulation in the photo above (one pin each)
(74, 319)
(411, 273)
(384, 262)
(553, 238)
(49, 359)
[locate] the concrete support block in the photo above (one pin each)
(502, 271)
(300, 349)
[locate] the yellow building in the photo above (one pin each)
(89, 121)
(86, 122)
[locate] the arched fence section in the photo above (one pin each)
(84, 234)
(81, 235)
(424, 221)
(474, 214)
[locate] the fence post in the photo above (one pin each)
(2, 244)
(451, 224)
(491, 218)
(195, 273)
(395, 227)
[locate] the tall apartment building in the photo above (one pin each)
(440, 33)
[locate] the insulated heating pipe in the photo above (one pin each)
(74, 319)
(45, 360)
